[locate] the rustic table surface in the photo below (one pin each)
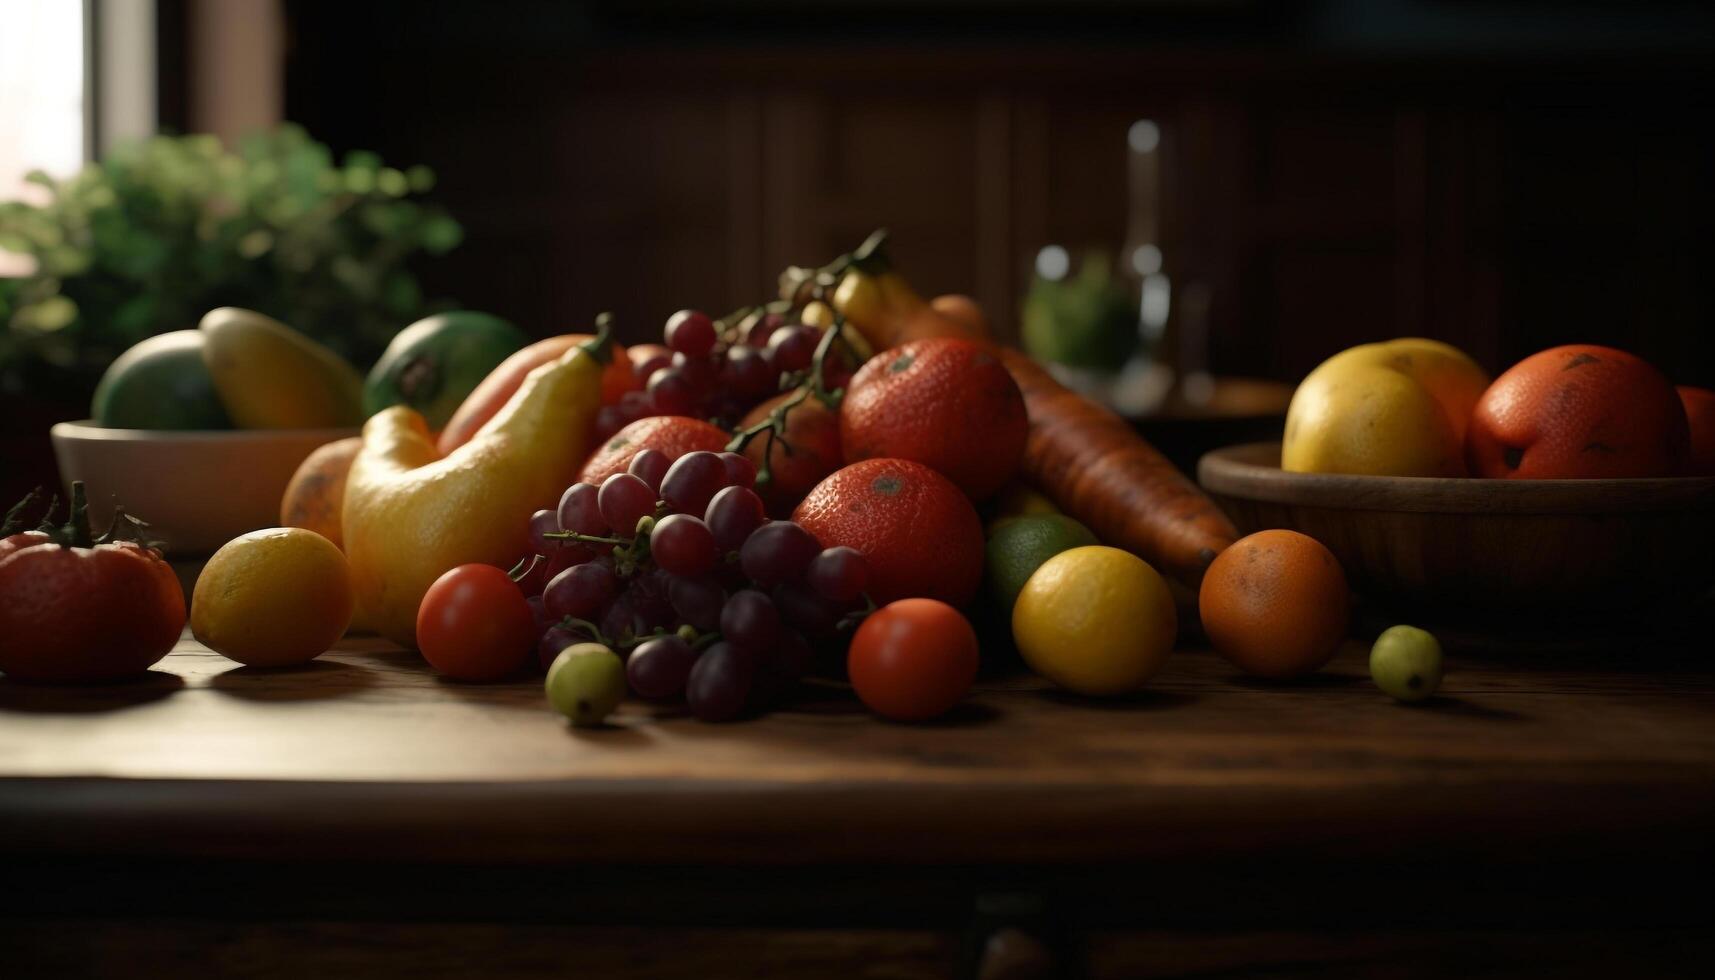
(1552, 795)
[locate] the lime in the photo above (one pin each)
(1095, 620)
(1019, 546)
(1406, 663)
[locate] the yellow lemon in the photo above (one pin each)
(1095, 620)
(1397, 408)
(273, 597)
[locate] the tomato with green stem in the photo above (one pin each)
(474, 624)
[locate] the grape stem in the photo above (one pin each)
(773, 426)
(582, 538)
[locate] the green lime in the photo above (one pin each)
(1020, 545)
(585, 683)
(1406, 663)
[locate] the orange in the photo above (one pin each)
(315, 496)
(673, 435)
(918, 533)
(1700, 415)
(1275, 603)
(946, 403)
(799, 458)
(1578, 412)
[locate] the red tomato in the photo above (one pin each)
(913, 659)
(74, 609)
(475, 624)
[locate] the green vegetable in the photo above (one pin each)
(1020, 545)
(1406, 663)
(162, 383)
(162, 231)
(585, 683)
(434, 363)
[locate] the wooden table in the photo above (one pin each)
(359, 817)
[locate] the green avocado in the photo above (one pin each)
(162, 383)
(434, 363)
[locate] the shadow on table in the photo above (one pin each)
(314, 681)
(74, 699)
(1144, 700)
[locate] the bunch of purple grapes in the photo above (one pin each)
(704, 374)
(678, 567)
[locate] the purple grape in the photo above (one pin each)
(839, 573)
(720, 682)
(698, 601)
(538, 614)
(535, 576)
(802, 608)
(748, 374)
(683, 545)
(699, 372)
(690, 332)
(625, 500)
(541, 523)
(691, 481)
(619, 622)
(670, 393)
(659, 668)
(732, 515)
(645, 368)
(635, 404)
(650, 465)
(580, 510)
(650, 597)
(556, 639)
(740, 471)
(609, 419)
(793, 348)
(750, 621)
(581, 591)
(777, 552)
(792, 657)
(762, 329)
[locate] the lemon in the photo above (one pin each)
(1397, 408)
(1020, 546)
(1095, 620)
(273, 597)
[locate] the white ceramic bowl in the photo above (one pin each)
(197, 490)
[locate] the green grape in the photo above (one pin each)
(586, 682)
(1406, 663)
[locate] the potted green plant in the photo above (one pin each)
(161, 231)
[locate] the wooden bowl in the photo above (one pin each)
(1485, 548)
(197, 490)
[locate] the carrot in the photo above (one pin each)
(1092, 464)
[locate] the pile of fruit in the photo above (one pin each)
(817, 490)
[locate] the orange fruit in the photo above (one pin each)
(918, 533)
(946, 403)
(799, 458)
(1700, 415)
(1578, 412)
(672, 435)
(1275, 603)
(314, 498)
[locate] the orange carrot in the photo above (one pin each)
(1097, 469)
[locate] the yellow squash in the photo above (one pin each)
(270, 376)
(411, 514)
